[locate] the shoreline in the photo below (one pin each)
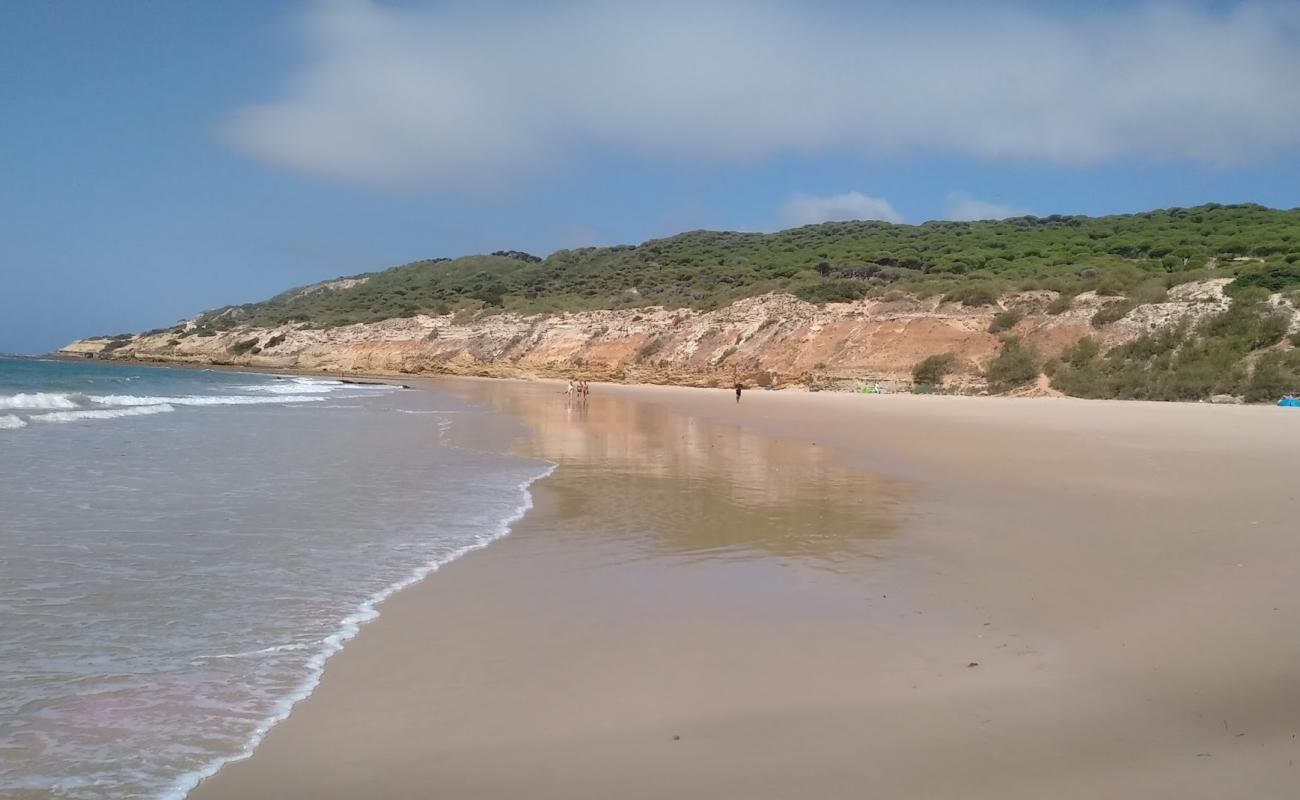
(349, 627)
(950, 576)
(402, 379)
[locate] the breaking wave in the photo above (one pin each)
(101, 413)
(38, 401)
(46, 406)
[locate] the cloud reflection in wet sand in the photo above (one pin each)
(682, 486)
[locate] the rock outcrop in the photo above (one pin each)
(773, 339)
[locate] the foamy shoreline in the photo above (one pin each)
(350, 626)
(255, 484)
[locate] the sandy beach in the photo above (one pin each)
(838, 596)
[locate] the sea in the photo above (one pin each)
(181, 551)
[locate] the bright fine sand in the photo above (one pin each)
(838, 596)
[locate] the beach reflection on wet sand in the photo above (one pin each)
(681, 486)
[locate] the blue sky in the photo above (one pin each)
(163, 157)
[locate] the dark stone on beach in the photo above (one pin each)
(973, 664)
(676, 738)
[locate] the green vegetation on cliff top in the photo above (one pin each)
(1132, 255)
(1230, 353)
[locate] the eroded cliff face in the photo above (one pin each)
(774, 339)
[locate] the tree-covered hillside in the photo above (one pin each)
(1134, 255)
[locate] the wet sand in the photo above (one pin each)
(838, 596)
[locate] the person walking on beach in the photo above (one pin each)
(739, 387)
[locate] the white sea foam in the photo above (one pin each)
(292, 390)
(302, 385)
(229, 688)
(35, 401)
(199, 400)
(366, 611)
(294, 387)
(76, 407)
(100, 413)
(279, 648)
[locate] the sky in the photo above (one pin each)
(160, 157)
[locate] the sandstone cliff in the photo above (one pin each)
(773, 339)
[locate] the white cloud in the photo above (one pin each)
(806, 209)
(480, 96)
(962, 207)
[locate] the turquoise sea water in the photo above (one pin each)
(181, 551)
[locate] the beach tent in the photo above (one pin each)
(1289, 402)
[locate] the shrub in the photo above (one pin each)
(1118, 281)
(1090, 380)
(1150, 291)
(1015, 365)
(1005, 320)
(973, 295)
(1185, 362)
(1061, 304)
(1250, 296)
(931, 370)
(1111, 312)
(1080, 372)
(1081, 352)
(1272, 329)
(1275, 374)
(832, 291)
(1248, 326)
(1271, 278)
(518, 255)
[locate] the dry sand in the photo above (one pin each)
(833, 596)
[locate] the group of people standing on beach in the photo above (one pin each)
(577, 393)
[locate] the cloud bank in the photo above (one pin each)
(476, 97)
(961, 207)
